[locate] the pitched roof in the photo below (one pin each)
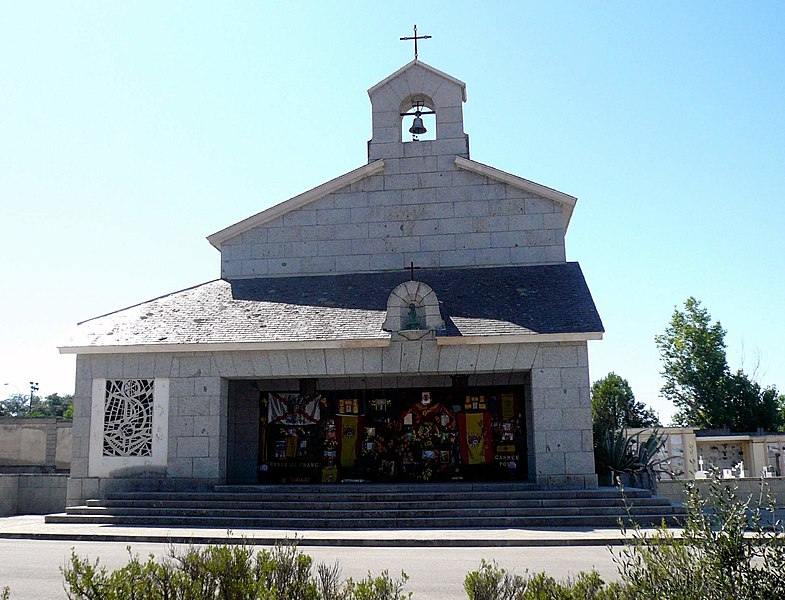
(338, 309)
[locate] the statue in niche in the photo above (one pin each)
(412, 321)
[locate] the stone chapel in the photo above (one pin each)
(412, 320)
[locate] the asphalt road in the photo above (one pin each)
(32, 568)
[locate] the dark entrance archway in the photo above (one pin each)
(395, 429)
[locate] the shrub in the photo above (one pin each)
(236, 572)
(731, 548)
(490, 582)
(382, 587)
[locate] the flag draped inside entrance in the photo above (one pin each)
(348, 428)
(293, 409)
(475, 437)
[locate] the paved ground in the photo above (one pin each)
(32, 567)
(33, 527)
(32, 552)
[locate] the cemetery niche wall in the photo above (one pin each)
(413, 320)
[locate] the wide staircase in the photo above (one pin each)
(376, 506)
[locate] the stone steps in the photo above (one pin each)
(223, 522)
(389, 513)
(382, 505)
(374, 506)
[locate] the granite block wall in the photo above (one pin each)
(444, 218)
(202, 419)
(561, 417)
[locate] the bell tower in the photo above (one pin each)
(417, 88)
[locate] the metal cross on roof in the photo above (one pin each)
(411, 268)
(416, 37)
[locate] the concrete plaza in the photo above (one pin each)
(32, 552)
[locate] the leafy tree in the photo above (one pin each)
(750, 407)
(14, 406)
(54, 405)
(613, 406)
(699, 382)
(695, 366)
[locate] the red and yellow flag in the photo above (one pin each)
(476, 438)
(348, 429)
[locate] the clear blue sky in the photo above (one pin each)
(130, 131)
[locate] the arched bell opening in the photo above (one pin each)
(418, 118)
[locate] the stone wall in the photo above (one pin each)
(411, 213)
(200, 420)
(42, 444)
(243, 432)
(32, 493)
(745, 488)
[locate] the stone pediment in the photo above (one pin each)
(414, 66)
(295, 203)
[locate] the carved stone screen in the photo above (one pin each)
(128, 417)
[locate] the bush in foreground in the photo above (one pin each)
(730, 548)
(491, 582)
(236, 572)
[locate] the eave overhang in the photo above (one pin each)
(538, 338)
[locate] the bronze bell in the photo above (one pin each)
(417, 127)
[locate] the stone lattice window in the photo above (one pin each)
(128, 417)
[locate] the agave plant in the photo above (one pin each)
(630, 455)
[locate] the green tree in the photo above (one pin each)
(613, 406)
(695, 367)
(699, 382)
(16, 405)
(750, 407)
(54, 405)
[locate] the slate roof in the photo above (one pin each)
(541, 299)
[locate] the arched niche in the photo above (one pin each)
(413, 306)
(407, 109)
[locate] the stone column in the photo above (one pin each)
(561, 417)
